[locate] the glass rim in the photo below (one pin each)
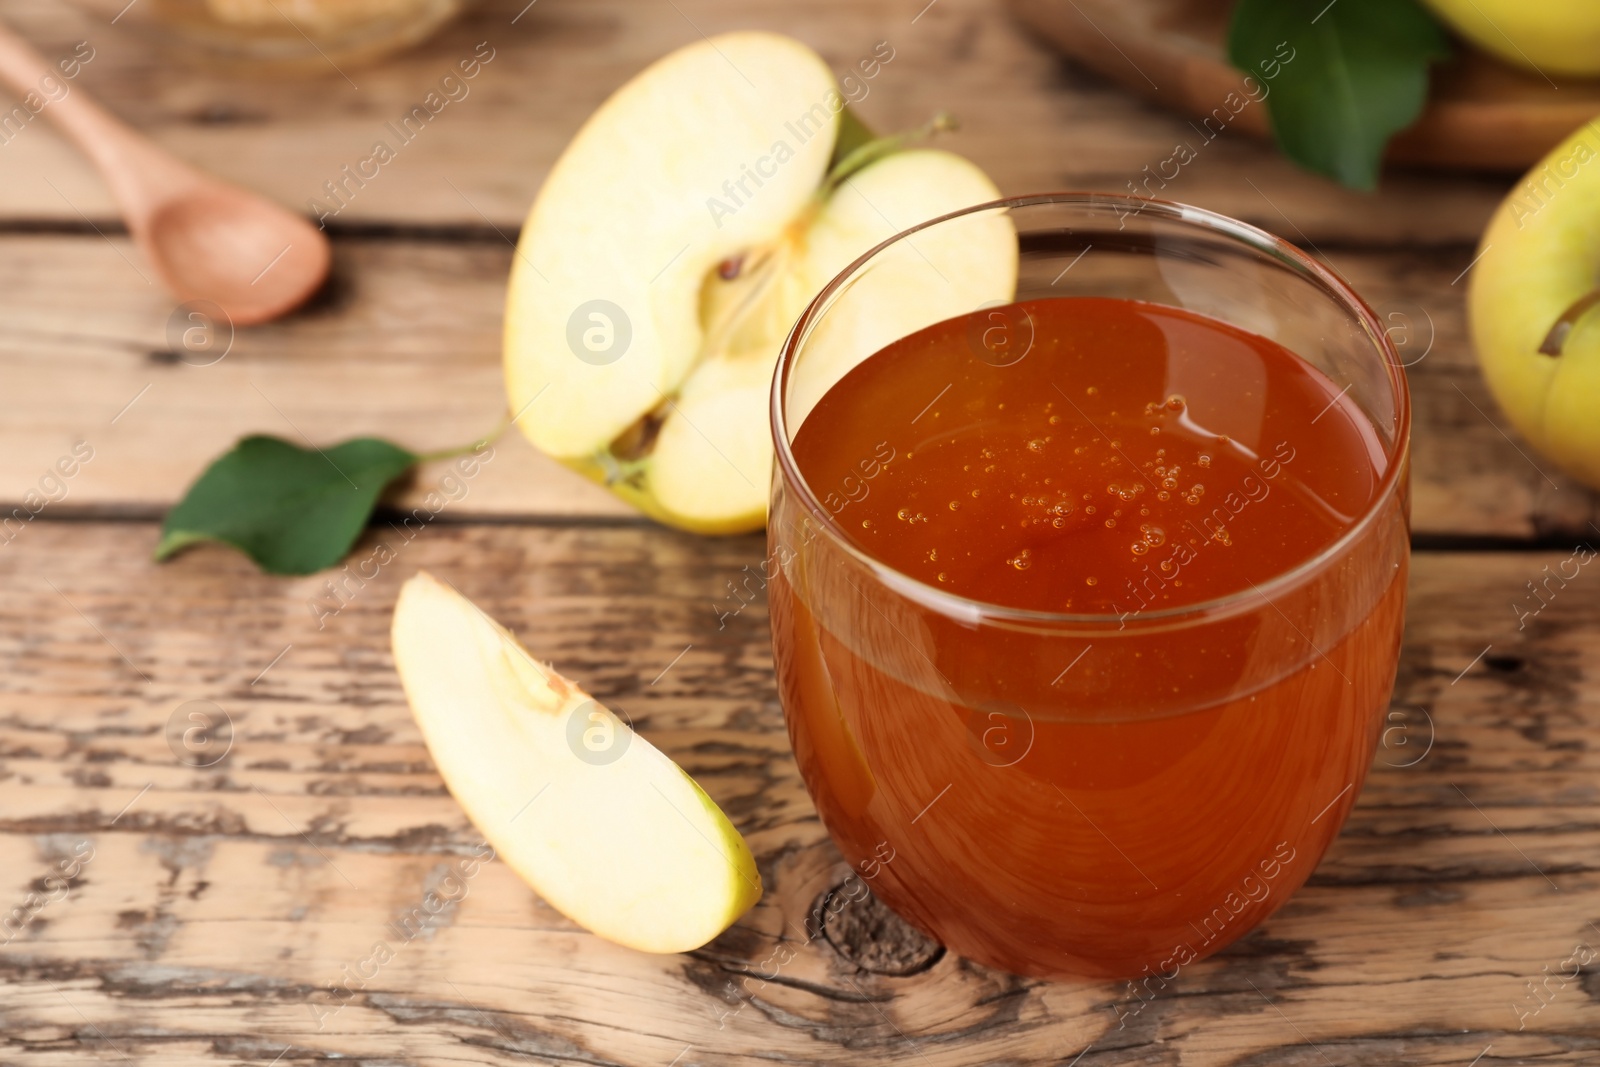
(955, 605)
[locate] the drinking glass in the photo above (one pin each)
(1075, 794)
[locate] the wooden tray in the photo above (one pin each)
(1482, 114)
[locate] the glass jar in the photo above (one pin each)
(286, 35)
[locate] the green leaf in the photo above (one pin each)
(292, 510)
(1341, 78)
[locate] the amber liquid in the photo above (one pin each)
(1127, 796)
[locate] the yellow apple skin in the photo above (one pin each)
(1540, 254)
(1546, 36)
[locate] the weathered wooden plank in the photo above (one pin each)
(1030, 120)
(220, 904)
(406, 345)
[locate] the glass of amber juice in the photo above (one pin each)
(1087, 605)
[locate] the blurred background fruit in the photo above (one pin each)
(1530, 297)
(1550, 37)
(283, 35)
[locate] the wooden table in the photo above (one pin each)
(220, 914)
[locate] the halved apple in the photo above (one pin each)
(674, 244)
(600, 823)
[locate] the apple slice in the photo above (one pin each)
(675, 243)
(623, 218)
(600, 823)
(720, 421)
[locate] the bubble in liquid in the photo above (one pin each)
(1175, 402)
(933, 555)
(866, 524)
(1055, 420)
(954, 505)
(1058, 522)
(1091, 581)
(1153, 535)
(1140, 548)
(974, 494)
(1204, 460)
(1089, 510)
(1154, 430)
(1198, 489)
(1110, 523)
(1036, 445)
(1091, 391)
(1021, 561)
(1163, 496)
(904, 515)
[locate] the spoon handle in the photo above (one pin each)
(135, 169)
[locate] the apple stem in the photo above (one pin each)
(1557, 337)
(879, 147)
(451, 453)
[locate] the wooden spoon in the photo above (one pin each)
(208, 240)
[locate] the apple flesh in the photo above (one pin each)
(600, 823)
(1539, 257)
(676, 241)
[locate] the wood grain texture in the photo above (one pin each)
(230, 914)
(1481, 112)
(1028, 118)
(221, 905)
(406, 345)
